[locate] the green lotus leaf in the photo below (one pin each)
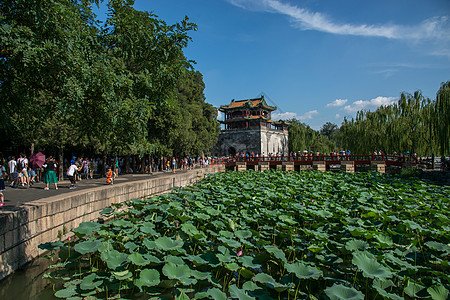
(167, 244)
(200, 275)
(270, 282)
(278, 253)
(354, 245)
(403, 265)
(340, 292)
(91, 282)
(87, 228)
(151, 245)
(174, 259)
(123, 275)
(66, 293)
(230, 243)
(179, 272)
(303, 271)
(245, 273)
(211, 259)
(131, 246)
(438, 292)
(232, 266)
(315, 248)
(88, 246)
(243, 234)
(370, 266)
(438, 246)
(249, 262)
(412, 288)
(202, 216)
(122, 223)
(114, 259)
(226, 257)
(217, 294)
(413, 225)
(227, 234)
(238, 293)
(137, 259)
(213, 212)
(152, 259)
(107, 211)
(189, 229)
(51, 246)
(384, 240)
(383, 283)
(148, 228)
(287, 219)
(250, 286)
(248, 186)
(148, 277)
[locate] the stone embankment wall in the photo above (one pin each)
(25, 227)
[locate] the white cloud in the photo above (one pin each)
(372, 104)
(309, 115)
(431, 29)
(284, 116)
(291, 115)
(337, 116)
(219, 115)
(337, 102)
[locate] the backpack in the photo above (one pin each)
(19, 165)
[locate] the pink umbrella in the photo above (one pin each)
(36, 160)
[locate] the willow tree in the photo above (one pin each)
(441, 118)
(402, 127)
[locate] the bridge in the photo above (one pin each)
(347, 163)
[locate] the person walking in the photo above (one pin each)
(13, 174)
(71, 174)
(2, 185)
(85, 164)
(50, 175)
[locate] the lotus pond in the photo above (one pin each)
(266, 235)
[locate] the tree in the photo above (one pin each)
(302, 137)
(330, 130)
(441, 118)
(186, 124)
(67, 81)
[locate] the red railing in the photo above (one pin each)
(327, 158)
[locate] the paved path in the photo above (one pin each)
(19, 195)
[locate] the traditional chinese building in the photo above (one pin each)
(248, 128)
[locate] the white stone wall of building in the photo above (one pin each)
(274, 141)
(248, 141)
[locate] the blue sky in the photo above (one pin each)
(317, 60)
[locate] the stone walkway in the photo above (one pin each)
(19, 195)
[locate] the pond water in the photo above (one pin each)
(27, 283)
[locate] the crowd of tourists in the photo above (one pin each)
(20, 172)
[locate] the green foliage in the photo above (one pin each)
(186, 125)
(308, 235)
(413, 124)
(441, 118)
(69, 81)
(302, 137)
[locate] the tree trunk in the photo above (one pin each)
(104, 165)
(60, 163)
(127, 164)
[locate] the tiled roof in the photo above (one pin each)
(250, 102)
